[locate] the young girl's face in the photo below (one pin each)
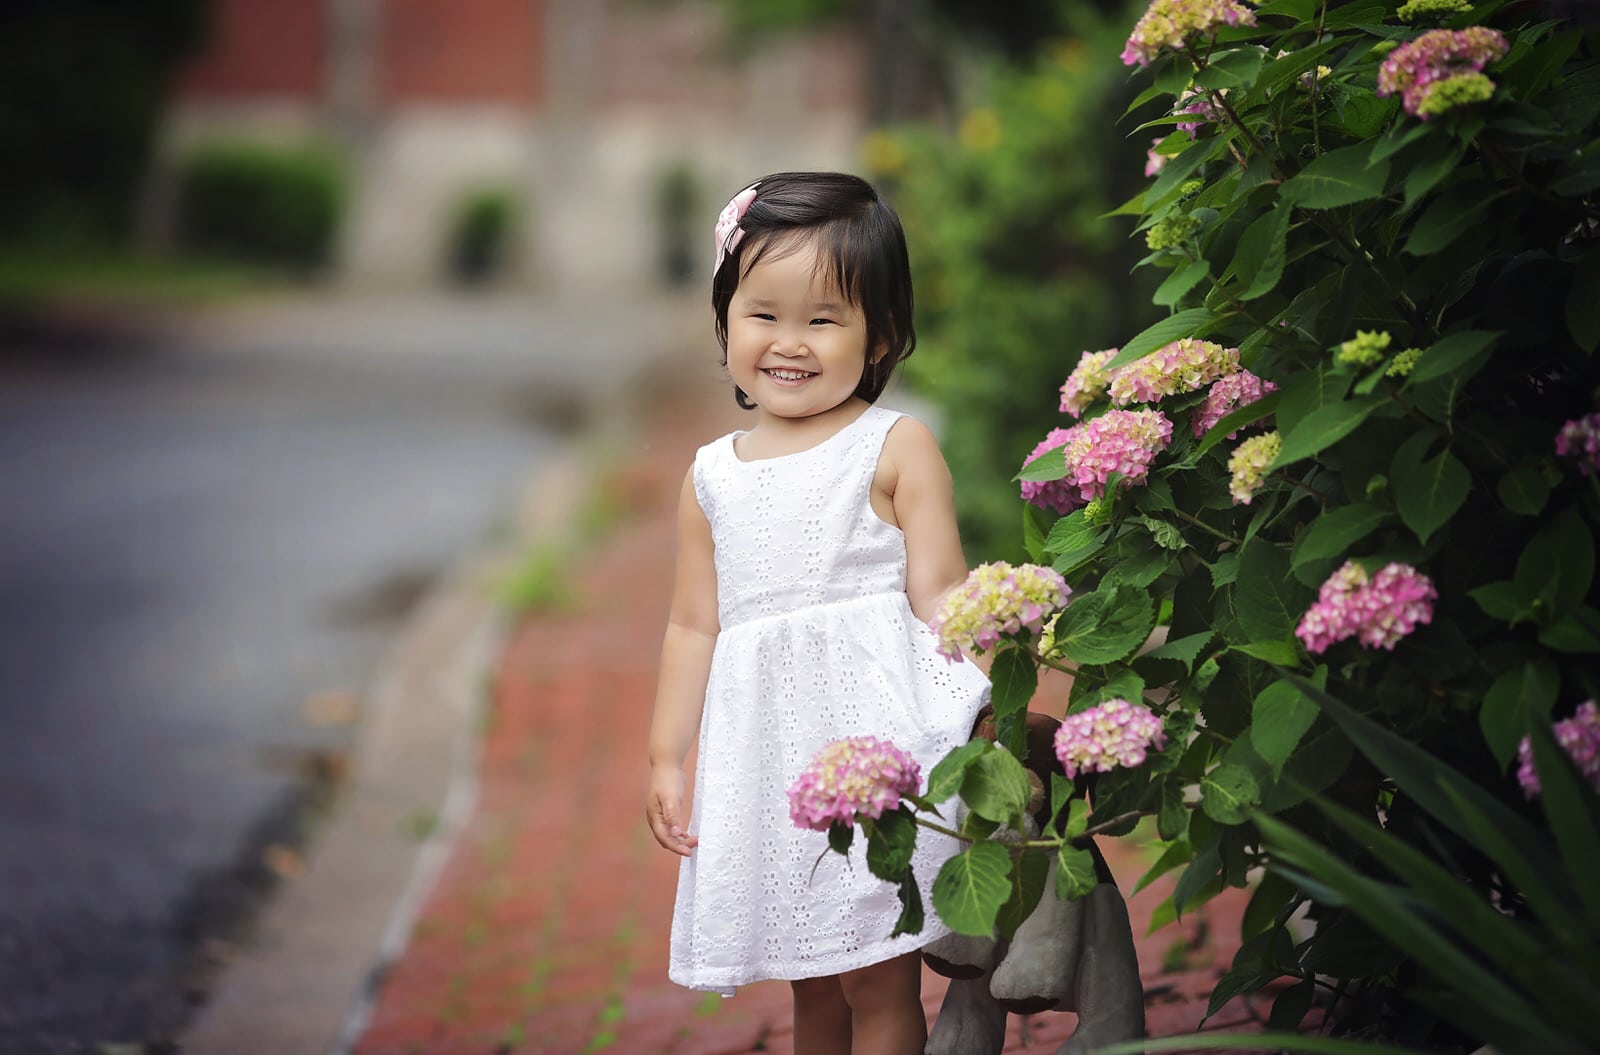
(796, 345)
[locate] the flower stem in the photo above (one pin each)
(1202, 525)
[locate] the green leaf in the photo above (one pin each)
(1505, 601)
(1176, 170)
(1279, 718)
(1398, 138)
(1183, 324)
(1446, 219)
(1557, 565)
(1524, 688)
(1172, 818)
(1033, 531)
(1029, 874)
(1339, 177)
(1569, 807)
(1425, 173)
(1267, 599)
(1292, 1005)
(1453, 354)
(1331, 535)
(1185, 649)
(945, 778)
(890, 842)
(1201, 881)
(1577, 632)
(1304, 392)
(1166, 534)
(996, 786)
(1523, 490)
(1075, 874)
(1323, 427)
(1248, 414)
(840, 836)
(971, 887)
(911, 914)
(1229, 69)
(1051, 465)
(1427, 493)
(1284, 653)
(1177, 853)
(1073, 533)
(1272, 895)
(1258, 262)
(1105, 626)
(1181, 281)
(1228, 792)
(1061, 792)
(1583, 307)
(1012, 680)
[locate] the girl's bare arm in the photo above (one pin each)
(686, 649)
(925, 508)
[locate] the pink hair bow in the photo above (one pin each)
(729, 233)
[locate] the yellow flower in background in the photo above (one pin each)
(1070, 54)
(883, 154)
(980, 130)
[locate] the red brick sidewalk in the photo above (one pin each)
(547, 932)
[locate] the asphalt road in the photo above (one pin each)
(209, 532)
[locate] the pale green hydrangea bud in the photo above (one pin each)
(1171, 231)
(1403, 363)
(1098, 512)
(1413, 10)
(1455, 91)
(1365, 349)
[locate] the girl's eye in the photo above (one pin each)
(827, 321)
(764, 316)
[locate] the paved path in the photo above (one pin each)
(547, 932)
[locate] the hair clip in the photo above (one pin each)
(728, 230)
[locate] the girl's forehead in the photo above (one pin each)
(795, 265)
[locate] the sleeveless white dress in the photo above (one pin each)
(818, 642)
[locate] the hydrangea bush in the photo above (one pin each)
(1327, 529)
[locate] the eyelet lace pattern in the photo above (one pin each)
(818, 642)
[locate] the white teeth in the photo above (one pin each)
(790, 375)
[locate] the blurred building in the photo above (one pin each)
(607, 122)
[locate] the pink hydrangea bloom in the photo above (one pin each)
(1580, 439)
(1377, 610)
(997, 600)
(861, 776)
(1197, 104)
(1173, 369)
(1111, 734)
(1248, 465)
(1154, 162)
(1058, 495)
(1169, 23)
(1087, 380)
(1226, 395)
(1416, 69)
(1579, 737)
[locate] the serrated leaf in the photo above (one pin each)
(1172, 819)
(1185, 649)
(840, 836)
(1259, 259)
(1075, 874)
(890, 842)
(1283, 653)
(1322, 427)
(911, 915)
(1051, 465)
(1427, 493)
(945, 778)
(1526, 688)
(971, 887)
(1228, 792)
(1181, 281)
(996, 786)
(1267, 599)
(1424, 174)
(1167, 535)
(1012, 680)
(1073, 532)
(1339, 177)
(1077, 819)
(1105, 626)
(1454, 354)
(1334, 532)
(1029, 874)
(1183, 324)
(1279, 718)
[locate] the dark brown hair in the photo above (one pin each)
(860, 247)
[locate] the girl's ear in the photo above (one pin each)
(878, 353)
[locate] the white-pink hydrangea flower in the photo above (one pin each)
(1110, 734)
(1417, 69)
(1059, 495)
(1087, 381)
(1376, 610)
(1579, 439)
(1173, 369)
(1118, 441)
(995, 601)
(1226, 395)
(1579, 737)
(1200, 106)
(1170, 23)
(1247, 467)
(1154, 160)
(860, 776)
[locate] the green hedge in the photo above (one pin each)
(262, 204)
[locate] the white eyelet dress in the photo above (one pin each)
(818, 642)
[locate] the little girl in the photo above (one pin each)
(812, 550)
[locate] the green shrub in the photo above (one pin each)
(262, 204)
(480, 235)
(1372, 580)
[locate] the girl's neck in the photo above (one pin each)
(774, 435)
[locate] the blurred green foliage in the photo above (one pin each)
(1016, 271)
(82, 83)
(480, 236)
(260, 203)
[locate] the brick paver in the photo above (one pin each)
(547, 931)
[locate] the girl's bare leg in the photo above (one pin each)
(886, 1007)
(821, 1017)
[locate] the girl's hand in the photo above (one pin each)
(662, 810)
